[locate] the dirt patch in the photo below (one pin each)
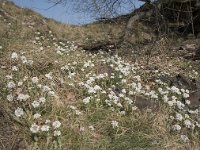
(9, 133)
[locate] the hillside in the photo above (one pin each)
(62, 89)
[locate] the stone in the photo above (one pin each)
(194, 99)
(143, 103)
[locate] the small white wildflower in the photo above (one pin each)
(184, 138)
(188, 123)
(36, 116)
(165, 98)
(114, 124)
(14, 68)
(171, 117)
(86, 100)
(187, 116)
(72, 107)
(47, 121)
(14, 55)
(56, 124)
(78, 112)
(179, 117)
(174, 98)
(134, 108)
(122, 112)
(9, 76)
(91, 128)
(20, 83)
(10, 97)
(49, 76)
(186, 95)
(187, 102)
(42, 100)
(175, 90)
(180, 105)
(24, 59)
(39, 86)
(131, 92)
(51, 93)
(46, 88)
(45, 128)
(35, 104)
(19, 112)
(35, 80)
(11, 85)
(176, 127)
(34, 128)
(119, 105)
(56, 133)
(23, 97)
(170, 103)
(82, 129)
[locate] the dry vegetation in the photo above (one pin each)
(54, 95)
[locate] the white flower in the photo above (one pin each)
(78, 112)
(23, 97)
(187, 116)
(188, 123)
(122, 112)
(36, 116)
(23, 59)
(179, 117)
(49, 76)
(114, 124)
(176, 127)
(119, 105)
(170, 103)
(82, 129)
(56, 124)
(35, 104)
(10, 97)
(187, 102)
(46, 88)
(86, 100)
(20, 83)
(72, 107)
(56, 133)
(9, 76)
(51, 93)
(34, 128)
(42, 100)
(165, 98)
(45, 128)
(14, 55)
(91, 128)
(180, 105)
(186, 95)
(134, 108)
(47, 121)
(35, 80)
(175, 90)
(184, 138)
(11, 85)
(96, 87)
(14, 68)
(19, 112)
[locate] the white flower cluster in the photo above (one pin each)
(17, 89)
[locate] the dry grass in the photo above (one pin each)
(137, 129)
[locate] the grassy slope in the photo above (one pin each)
(136, 130)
